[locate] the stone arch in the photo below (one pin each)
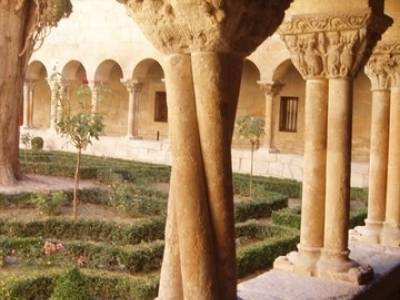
(293, 87)
(74, 76)
(109, 70)
(151, 100)
(362, 102)
(39, 95)
(113, 97)
(251, 98)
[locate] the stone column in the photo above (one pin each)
(376, 69)
(203, 74)
(328, 47)
(54, 87)
(315, 135)
(134, 88)
(26, 104)
(391, 230)
(94, 88)
(271, 90)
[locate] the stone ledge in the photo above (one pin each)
(281, 285)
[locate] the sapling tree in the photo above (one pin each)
(251, 129)
(80, 126)
(23, 26)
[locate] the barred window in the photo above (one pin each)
(288, 114)
(161, 109)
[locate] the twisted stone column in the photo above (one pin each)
(134, 88)
(206, 43)
(271, 90)
(377, 70)
(391, 231)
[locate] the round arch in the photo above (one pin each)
(74, 71)
(147, 69)
(281, 70)
(36, 70)
(108, 70)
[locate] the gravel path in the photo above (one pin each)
(37, 183)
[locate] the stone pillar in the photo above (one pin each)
(134, 88)
(391, 230)
(328, 46)
(376, 69)
(313, 194)
(203, 74)
(271, 90)
(54, 87)
(94, 88)
(26, 104)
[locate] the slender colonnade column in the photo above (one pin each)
(377, 69)
(134, 88)
(94, 88)
(271, 90)
(391, 230)
(26, 104)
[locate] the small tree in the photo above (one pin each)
(80, 127)
(26, 140)
(251, 129)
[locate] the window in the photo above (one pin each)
(161, 109)
(288, 114)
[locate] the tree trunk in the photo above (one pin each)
(13, 31)
(75, 201)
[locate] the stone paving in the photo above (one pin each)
(279, 285)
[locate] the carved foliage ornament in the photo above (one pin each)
(328, 45)
(235, 26)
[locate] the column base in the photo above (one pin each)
(390, 235)
(302, 262)
(340, 267)
(369, 234)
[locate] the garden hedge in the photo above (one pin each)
(142, 230)
(292, 218)
(39, 285)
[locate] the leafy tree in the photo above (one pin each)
(251, 129)
(80, 126)
(24, 24)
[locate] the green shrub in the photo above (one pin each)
(287, 217)
(49, 203)
(37, 143)
(71, 286)
(148, 229)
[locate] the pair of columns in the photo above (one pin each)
(382, 225)
(328, 51)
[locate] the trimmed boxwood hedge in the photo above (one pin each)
(143, 257)
(39, 285)
(143, 230)
(292, 218)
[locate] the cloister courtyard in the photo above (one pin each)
(199, 149)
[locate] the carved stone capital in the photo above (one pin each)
(227, 26)
(271, 88)
(133, 86)
(378, 71)
(332, 45)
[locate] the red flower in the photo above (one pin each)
(85, 81)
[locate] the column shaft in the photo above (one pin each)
(216, 103)
(378, 160)
(131, 112)
(26, 104)
(313, 198)
(196, 248)
(53, 107)
(269, 100)
(391, 230)
(338, 168)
